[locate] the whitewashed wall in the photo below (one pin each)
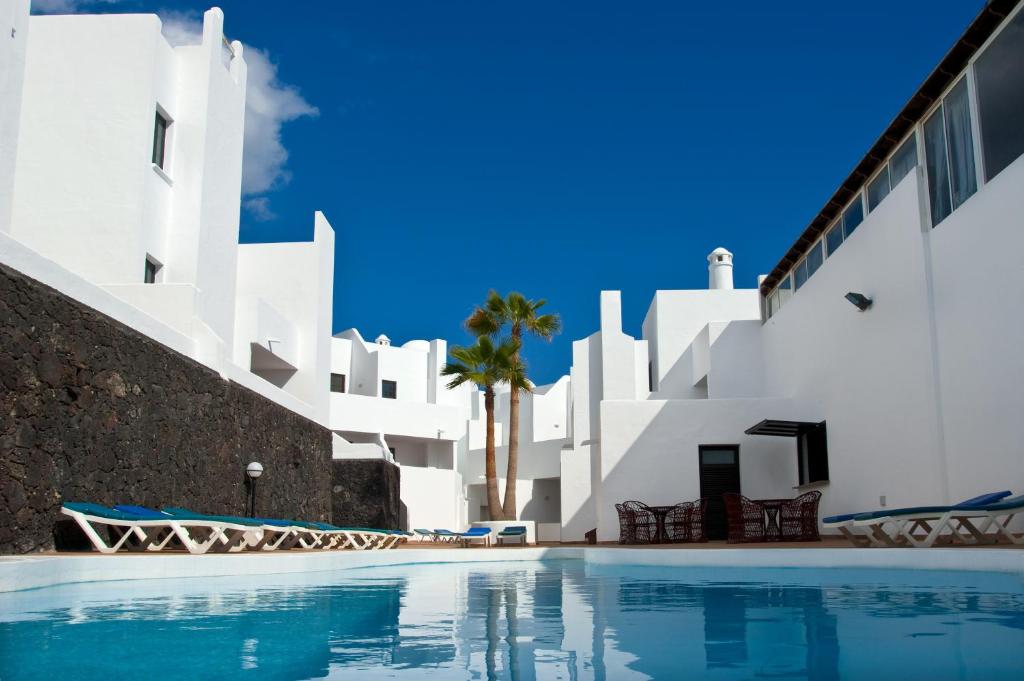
(979, 329)
(295, 280)
(14, 25)
(868, 374)
(649, 451)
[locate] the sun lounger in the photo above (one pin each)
(516, 533)
(136, 532)
(903, 526)
(426, 534)
(474, 534)
(444, 535)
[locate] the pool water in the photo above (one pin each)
(529, 620)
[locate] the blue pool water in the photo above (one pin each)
(550, 620)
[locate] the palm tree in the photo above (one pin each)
(485, 365)
(520, 314)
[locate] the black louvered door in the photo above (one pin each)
(719, 474)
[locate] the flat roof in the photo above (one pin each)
(927, 94)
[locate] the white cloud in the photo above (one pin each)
(269, 104)
(259, 208)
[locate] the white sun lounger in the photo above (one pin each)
(134, 532)
(901, 526)
(927, 526)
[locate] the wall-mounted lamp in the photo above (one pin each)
(253, 471)
(859, 300)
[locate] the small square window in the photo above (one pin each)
(151, 271)
(160, 139)
(337, 383)
(389, 390)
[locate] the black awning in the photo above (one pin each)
(781, 428)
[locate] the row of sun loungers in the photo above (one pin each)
(515, 534)
(137, 528)
(981, 520)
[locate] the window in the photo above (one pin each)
(389, 389)
(999, 75)
(785, 289)
(812, 454)
(337, 383)
(773, 303)
(853, 216)
(949, 154)
(150, 271)
(903, 161)
(834, 238)
(160, 139)
(814, 259)
(800, 273)
(878, 189)
(650, 377)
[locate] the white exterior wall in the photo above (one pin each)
(979, 330)
(869, 375)
(649, 451)
(92, 87)
(674, 321)
(14, 23)
(289, 286)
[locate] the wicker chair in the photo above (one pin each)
(746, 518)
(627, 532)
(685, 522)
(643, 522)
(798, 518)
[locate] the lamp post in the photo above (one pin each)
(254, 470)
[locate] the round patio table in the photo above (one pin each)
(660, 534)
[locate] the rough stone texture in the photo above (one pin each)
(365, 493)
(91, 410)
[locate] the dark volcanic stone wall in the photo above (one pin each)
(91, 410)
(365, 493)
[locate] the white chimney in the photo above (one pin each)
(720, 269)
(384, 340)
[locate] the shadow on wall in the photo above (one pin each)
(660, 466)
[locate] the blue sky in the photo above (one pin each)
(562, 148)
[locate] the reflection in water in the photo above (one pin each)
(523, 621)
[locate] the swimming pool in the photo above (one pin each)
(561, 619)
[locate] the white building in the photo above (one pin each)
(913, 400)
(390, 401)
(122, 189)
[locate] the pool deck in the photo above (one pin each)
(50, 569)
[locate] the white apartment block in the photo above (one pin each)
(120, 185)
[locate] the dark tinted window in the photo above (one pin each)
(853, 216)
(999, 73)
(159, 139)
(337, 383)
(389, 389)
(878, 189)
(834, 238)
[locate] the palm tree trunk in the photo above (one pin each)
(491, 468)
(509, 507)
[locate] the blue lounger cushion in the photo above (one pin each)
(973, 502)
(1005, 504)
(512, 531)
(102, 511)
(476, 532)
